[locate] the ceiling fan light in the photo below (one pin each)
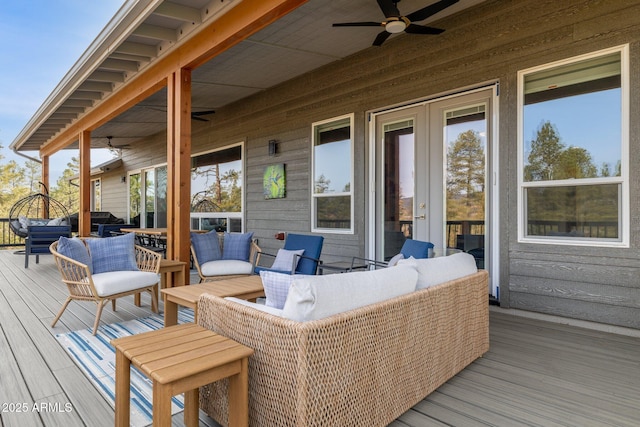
(394, 27)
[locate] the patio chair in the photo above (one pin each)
(300, 255)
(410, 248)
(111, 269)
(215, 258)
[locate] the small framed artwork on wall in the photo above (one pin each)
(274, 182)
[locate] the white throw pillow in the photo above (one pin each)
(393, 261)
(433, 271)
(316, 297)
(284, 260)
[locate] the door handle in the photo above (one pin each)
(420, 217)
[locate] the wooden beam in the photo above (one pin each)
(248, 17)
(84, 213)
(179, 165)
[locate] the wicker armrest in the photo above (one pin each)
(147, 259)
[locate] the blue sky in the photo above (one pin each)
(40, 40)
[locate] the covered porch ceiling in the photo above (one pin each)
(145, 30)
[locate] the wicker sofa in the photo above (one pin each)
(362, 367)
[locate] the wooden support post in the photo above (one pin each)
(45, 181)
(84, 213)
(179, 165)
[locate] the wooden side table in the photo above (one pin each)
(245, 287)
(180, 359)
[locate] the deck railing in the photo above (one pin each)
(9, 239)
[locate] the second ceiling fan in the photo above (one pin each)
(395, 22)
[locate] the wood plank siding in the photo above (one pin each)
(486, 44)
(535, 373)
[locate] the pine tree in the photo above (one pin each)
(466, 177)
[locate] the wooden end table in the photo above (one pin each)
(180, 359)
(247, 287)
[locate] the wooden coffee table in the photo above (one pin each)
(180, 359)
(248, 287)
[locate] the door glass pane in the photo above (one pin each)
(465, 135)
(398, 186)
(135, 199)
(161, 196)
(149, 197)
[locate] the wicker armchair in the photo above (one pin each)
(211, 271)
(85, 286)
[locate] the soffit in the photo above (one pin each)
(299, 42)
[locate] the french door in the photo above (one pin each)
(431, 175)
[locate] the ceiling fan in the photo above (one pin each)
(115, 147)
(195, 115)
(397, 23)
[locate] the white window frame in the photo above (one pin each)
(622, 180)
(143, 195)
(199, 216)
(315, 196)
(96, 196)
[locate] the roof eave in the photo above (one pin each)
(119, 27)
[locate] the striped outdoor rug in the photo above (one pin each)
(96, 358)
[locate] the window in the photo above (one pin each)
(96, 195)
(148, 197)
(216, 190)
(332, 160)
(573, 151)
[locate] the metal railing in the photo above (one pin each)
(9, 239)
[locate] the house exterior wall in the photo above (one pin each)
(488, 43)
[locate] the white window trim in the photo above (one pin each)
(227, 215)
(314, 196)
(623, 180)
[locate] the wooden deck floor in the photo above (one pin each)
(536, 373)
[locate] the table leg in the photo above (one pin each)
(123, 377)
(239, 396)
(179, 279)
(170, 312)
(161, 405)
(191, 407)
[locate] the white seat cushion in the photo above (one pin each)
(223, 267)
(316, 297)
(115, 282)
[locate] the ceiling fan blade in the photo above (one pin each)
(389, 8)
(421, 29)
(358, 24)
(381, 38)
(430, 10)
(203, 113)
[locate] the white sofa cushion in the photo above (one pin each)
(115, 282)
(223, 267)
(261, 307)
(316, 297)
(433, 271)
